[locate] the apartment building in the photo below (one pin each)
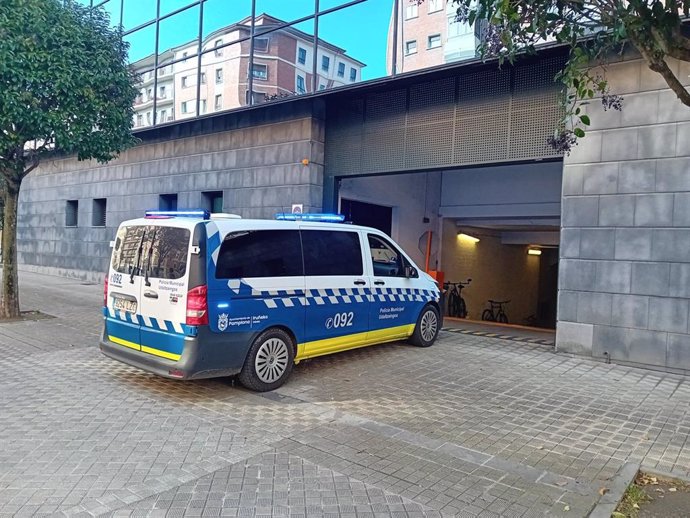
(283, 66)
(428, 34)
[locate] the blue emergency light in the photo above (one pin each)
(196, 213)
(313, 216)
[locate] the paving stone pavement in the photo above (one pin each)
(473, 426)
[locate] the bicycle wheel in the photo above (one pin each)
(502, 317)
(487, 314)
(453, 305)
(462, 313)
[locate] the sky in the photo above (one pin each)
(360, 29)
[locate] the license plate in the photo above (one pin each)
(129, 306)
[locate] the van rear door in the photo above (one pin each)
(123, 322)
(164, 287)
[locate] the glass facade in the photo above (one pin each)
(196, 57)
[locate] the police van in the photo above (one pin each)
(194, 295)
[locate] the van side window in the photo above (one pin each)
(260, 253)
(386, 259)
(332, 252)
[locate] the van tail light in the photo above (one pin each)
(105, 292)
(197, 306)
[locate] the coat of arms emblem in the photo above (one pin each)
(222, 321)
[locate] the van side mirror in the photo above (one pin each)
(411, 272)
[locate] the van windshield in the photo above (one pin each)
(162, 251)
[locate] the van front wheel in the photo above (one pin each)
(269, 361)
(427, 327)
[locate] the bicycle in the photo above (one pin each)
(456, 304)
(496, 312)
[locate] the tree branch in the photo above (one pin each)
(657, 64)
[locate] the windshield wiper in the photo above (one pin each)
(148, 259)
(136, 266)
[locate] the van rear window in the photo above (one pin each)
(260, 253)
(159, 251)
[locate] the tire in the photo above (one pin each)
(463, 309)
(269, 361)
(427, 327)
(502, 318)
(488, 315)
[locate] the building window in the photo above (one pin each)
(411, 11)
(140, 119)
(260, 71)
(322, 86)
(435, 5)
(164, 115)
(149, 94)
(434, 41)
(184, 56)
(301, 56)
(72, 213)
(98, 214)
(410, 47)
(218, 52)
(219, 102)
(148, 118)
(300, 85)
(213, 201)
(202, 108)
(167, 202)
(219, 76)
(341, 69)
(203, 78)
(353, 74)
(259, 97)
(325, 63)
(261, 44)
(456, 28)
(161, 92)
(184, 108)
(185, 81)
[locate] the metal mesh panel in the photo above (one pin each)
(483, 116)
(344, 129)
(384, 131)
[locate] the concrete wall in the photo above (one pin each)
(412, 197)
(625, 240)
(255, 159)
(498, 272)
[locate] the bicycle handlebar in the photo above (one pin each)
(499, 301)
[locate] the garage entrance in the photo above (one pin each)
(498, 225)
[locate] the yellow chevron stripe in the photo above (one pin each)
(162, 354)
(126, 343)
(352, 341)
(143, 348)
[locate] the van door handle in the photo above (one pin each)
(379, 283)
(360, 282)
(150, 294)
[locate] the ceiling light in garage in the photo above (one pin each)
(533, 251)
(467, 237)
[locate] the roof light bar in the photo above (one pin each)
(327, 218)
(203, 214)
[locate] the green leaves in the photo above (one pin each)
(64, 82)
(579, 132)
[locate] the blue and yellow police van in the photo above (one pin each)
(196, 295)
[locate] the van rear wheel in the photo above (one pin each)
(427, 327)
(269, 361)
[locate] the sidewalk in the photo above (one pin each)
(473, 426)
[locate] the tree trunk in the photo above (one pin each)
(9, 303)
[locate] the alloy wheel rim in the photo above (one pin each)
(429, 325)
(271, 360)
